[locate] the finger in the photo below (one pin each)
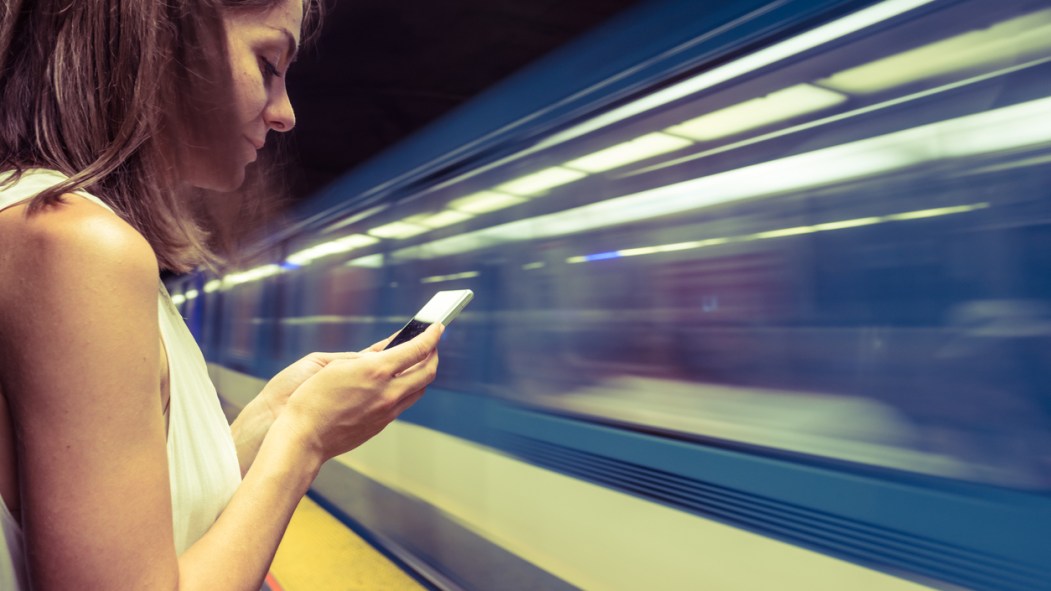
(408, 401)
(379, 345)
(397, 359)
(418, 376)
(326, 358)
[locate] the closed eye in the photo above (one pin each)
(269, 69)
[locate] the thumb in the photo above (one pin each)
(398, 359)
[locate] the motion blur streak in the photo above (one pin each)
(763, 301)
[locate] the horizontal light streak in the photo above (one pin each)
(640, 148)
(1008, 128)
(485, 202)
(398, 230)
(341, 245)
(540, 182)
(1001, 44)
(533, 266)
(781, 233)
(440, 219)
(251, 275)
(814, 38)
(453, 277)
(212, 285)
(372, 261)
(777, 106)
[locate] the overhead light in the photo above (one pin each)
(251, 275)
(640, 148)
(212, 286)
(788, 48)
(178, 299)
(533, 266)
(372, 261)
(398, 230)
(1003, 44)
(1007, 128)
(345, 244)
(777, 106)
(484, 202)
(440, 219)
(541, 182)
(191, 294)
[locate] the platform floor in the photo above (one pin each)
(318, 553)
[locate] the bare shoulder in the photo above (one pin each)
(74, 273)
(72, 246)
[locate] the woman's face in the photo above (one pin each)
(261, 46)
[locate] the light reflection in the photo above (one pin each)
(540, 182)
(485, 202)
(1002, 44)
(440, 219)
(989, 132)
(453, 277)
(794, 101)
(781, 233)
(793, 47)
(640, 148)
(398, 230)
(251, 275)
(345, 244)
(372, 261)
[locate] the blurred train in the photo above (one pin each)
(763, 301)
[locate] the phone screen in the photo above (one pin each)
(443, 307)
(413, 328)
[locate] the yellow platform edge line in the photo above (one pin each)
(319, 553)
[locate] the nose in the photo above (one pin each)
(279, 114)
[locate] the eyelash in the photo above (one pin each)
(269, 69)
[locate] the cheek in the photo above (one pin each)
(248, 92)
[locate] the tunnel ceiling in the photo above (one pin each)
(383, 69)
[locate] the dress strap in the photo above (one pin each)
(33, 182)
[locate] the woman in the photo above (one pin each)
(117, 470)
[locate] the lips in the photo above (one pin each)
(257, 144)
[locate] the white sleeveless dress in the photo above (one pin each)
(202, 461)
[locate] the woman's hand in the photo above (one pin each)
(281, 386)
(352, 398)
(255, 420)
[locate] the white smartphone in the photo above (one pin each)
(443, 307)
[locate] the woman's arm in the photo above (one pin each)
(81, 368)
(255, 419)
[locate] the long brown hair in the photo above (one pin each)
(113, 93)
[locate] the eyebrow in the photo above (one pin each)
(292, 48)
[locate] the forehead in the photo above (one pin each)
(283, 15)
